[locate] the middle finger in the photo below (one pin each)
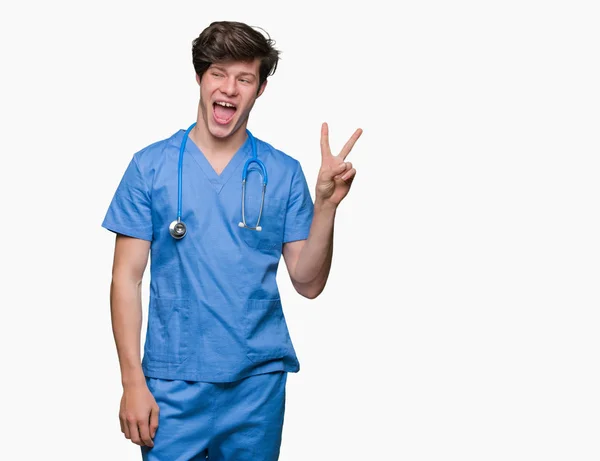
(134, 433)
(350, 144)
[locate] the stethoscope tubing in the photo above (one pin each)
(180, 169)
(177, 228)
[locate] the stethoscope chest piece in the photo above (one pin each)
(177, 229)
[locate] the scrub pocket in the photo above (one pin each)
(271, 221)
(267, 335)
(167, 336)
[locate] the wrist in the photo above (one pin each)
(325, 206)
(133, 378)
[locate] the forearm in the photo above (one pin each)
(126, 315)
(314, 263)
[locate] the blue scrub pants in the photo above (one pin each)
(239, 421)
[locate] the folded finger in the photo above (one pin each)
(134, 432)
(124, 427)
(349, 175)
(341, 169)
(145, 438)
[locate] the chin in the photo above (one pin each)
(220, 131)
(223, 131)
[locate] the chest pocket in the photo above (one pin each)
(271, 221)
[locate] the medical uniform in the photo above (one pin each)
(217, 346)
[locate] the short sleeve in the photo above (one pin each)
(300, 208)
(130, 211)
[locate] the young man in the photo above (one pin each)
(217, 349)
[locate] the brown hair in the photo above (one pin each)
(234, 41)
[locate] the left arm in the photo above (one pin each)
(309, 261)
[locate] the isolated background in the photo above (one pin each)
(461, 317)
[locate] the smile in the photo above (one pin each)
(223, 111)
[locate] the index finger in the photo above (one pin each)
(325, 149)
(350, 144)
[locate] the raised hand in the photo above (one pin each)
(335, 175)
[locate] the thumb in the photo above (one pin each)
(153, 421)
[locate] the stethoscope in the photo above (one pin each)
(178, 229)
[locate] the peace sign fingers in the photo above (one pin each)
(350, 144)
(326, 150)
(335, 175)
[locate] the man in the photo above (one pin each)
(217, 349)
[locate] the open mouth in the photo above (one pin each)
(223, 111)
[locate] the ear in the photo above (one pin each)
(198, 79)
(261, 89)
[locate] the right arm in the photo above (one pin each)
(138, 413)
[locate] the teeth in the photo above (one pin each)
(224, 104)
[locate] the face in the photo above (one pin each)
(227, 94)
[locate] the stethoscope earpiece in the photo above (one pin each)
(178, 229)
(257, 228)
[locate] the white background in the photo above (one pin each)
(461, 317)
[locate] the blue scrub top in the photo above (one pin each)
(215, 313)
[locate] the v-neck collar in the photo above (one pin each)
(218, 180)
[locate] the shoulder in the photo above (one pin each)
(153, 154)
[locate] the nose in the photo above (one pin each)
(229, 86)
